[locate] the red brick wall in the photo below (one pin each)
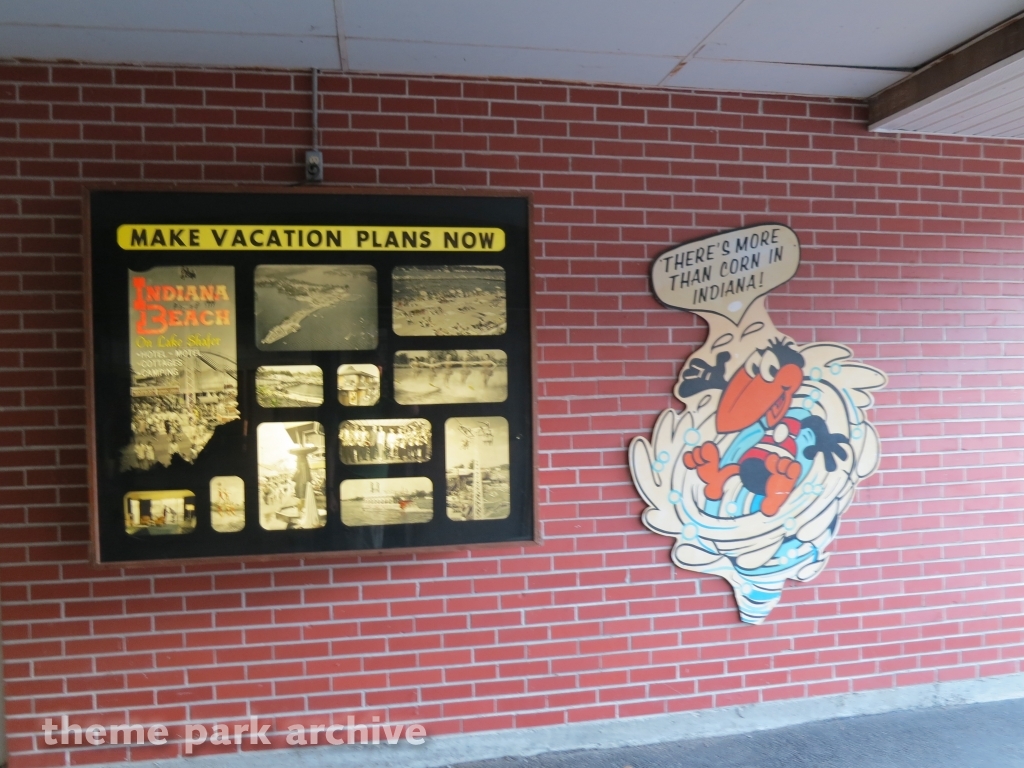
(912, 256)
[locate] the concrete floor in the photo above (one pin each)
(989, 735)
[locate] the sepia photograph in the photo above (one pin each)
(289, 386)
(292, 471)
(358, 384)
(227, 503)
(477, 468)
(426, 377)
(316, 307)
(184, 372)
(448, 301)
(387, 501)
(159, 513)
(385, 441)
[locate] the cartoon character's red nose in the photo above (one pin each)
(748, 398)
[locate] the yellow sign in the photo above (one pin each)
(289, 237)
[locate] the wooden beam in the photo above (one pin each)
(997, 44)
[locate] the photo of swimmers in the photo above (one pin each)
(477, 468)
(387, 501)
(426, 377)
(290, 457)
(227, 503)
(159, 513)
(448, 301)
(289, 386)
(385, 441)
(358, 384)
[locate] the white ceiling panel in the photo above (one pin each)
(135, 46)
(647, 27)
(766, 77)
(488, 61)
(848, 48)
(858, 33)
(294, 17)
(990, 103)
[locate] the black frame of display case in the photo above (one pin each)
(232, 449)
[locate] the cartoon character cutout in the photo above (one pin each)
(752, 477)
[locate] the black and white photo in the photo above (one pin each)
(289, 386)
(358, 384)
(159, 513)
(387, 501)
(292, 470)
(227, 504)
(449, 301)
(385, 441)
(477, 468)
(425, 377)
(316, 307)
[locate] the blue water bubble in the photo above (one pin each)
(814, 395)
(692, 437)
(690, 531)
(857, 433)
(675, 497)
(731, 508)
(789, 525)
(815, 374)
(663, 456)
(658, 466)
(835, 369)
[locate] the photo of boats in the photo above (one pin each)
(387, 501)
(289, 386)
(448, 301)
(316, 307)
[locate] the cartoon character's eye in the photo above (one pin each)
(769, 366)
(753, 365)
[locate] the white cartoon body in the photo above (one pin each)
(752, 477)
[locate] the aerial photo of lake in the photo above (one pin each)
(316, 307)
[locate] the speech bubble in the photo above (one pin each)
(724, 273)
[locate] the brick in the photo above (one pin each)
(911, 256)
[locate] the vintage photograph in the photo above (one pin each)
(385, 441)
(227, 504)
(184, 372)
(477, 468)
(315, 307)
(358, 384)
(448, 301)
(289, 386)
(292, 471)
(387, 501)
(425, 377)
(159, 513)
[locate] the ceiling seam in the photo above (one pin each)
(339, 24)
(166, 30)
(700, 45)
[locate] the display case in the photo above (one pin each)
(307, 371)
